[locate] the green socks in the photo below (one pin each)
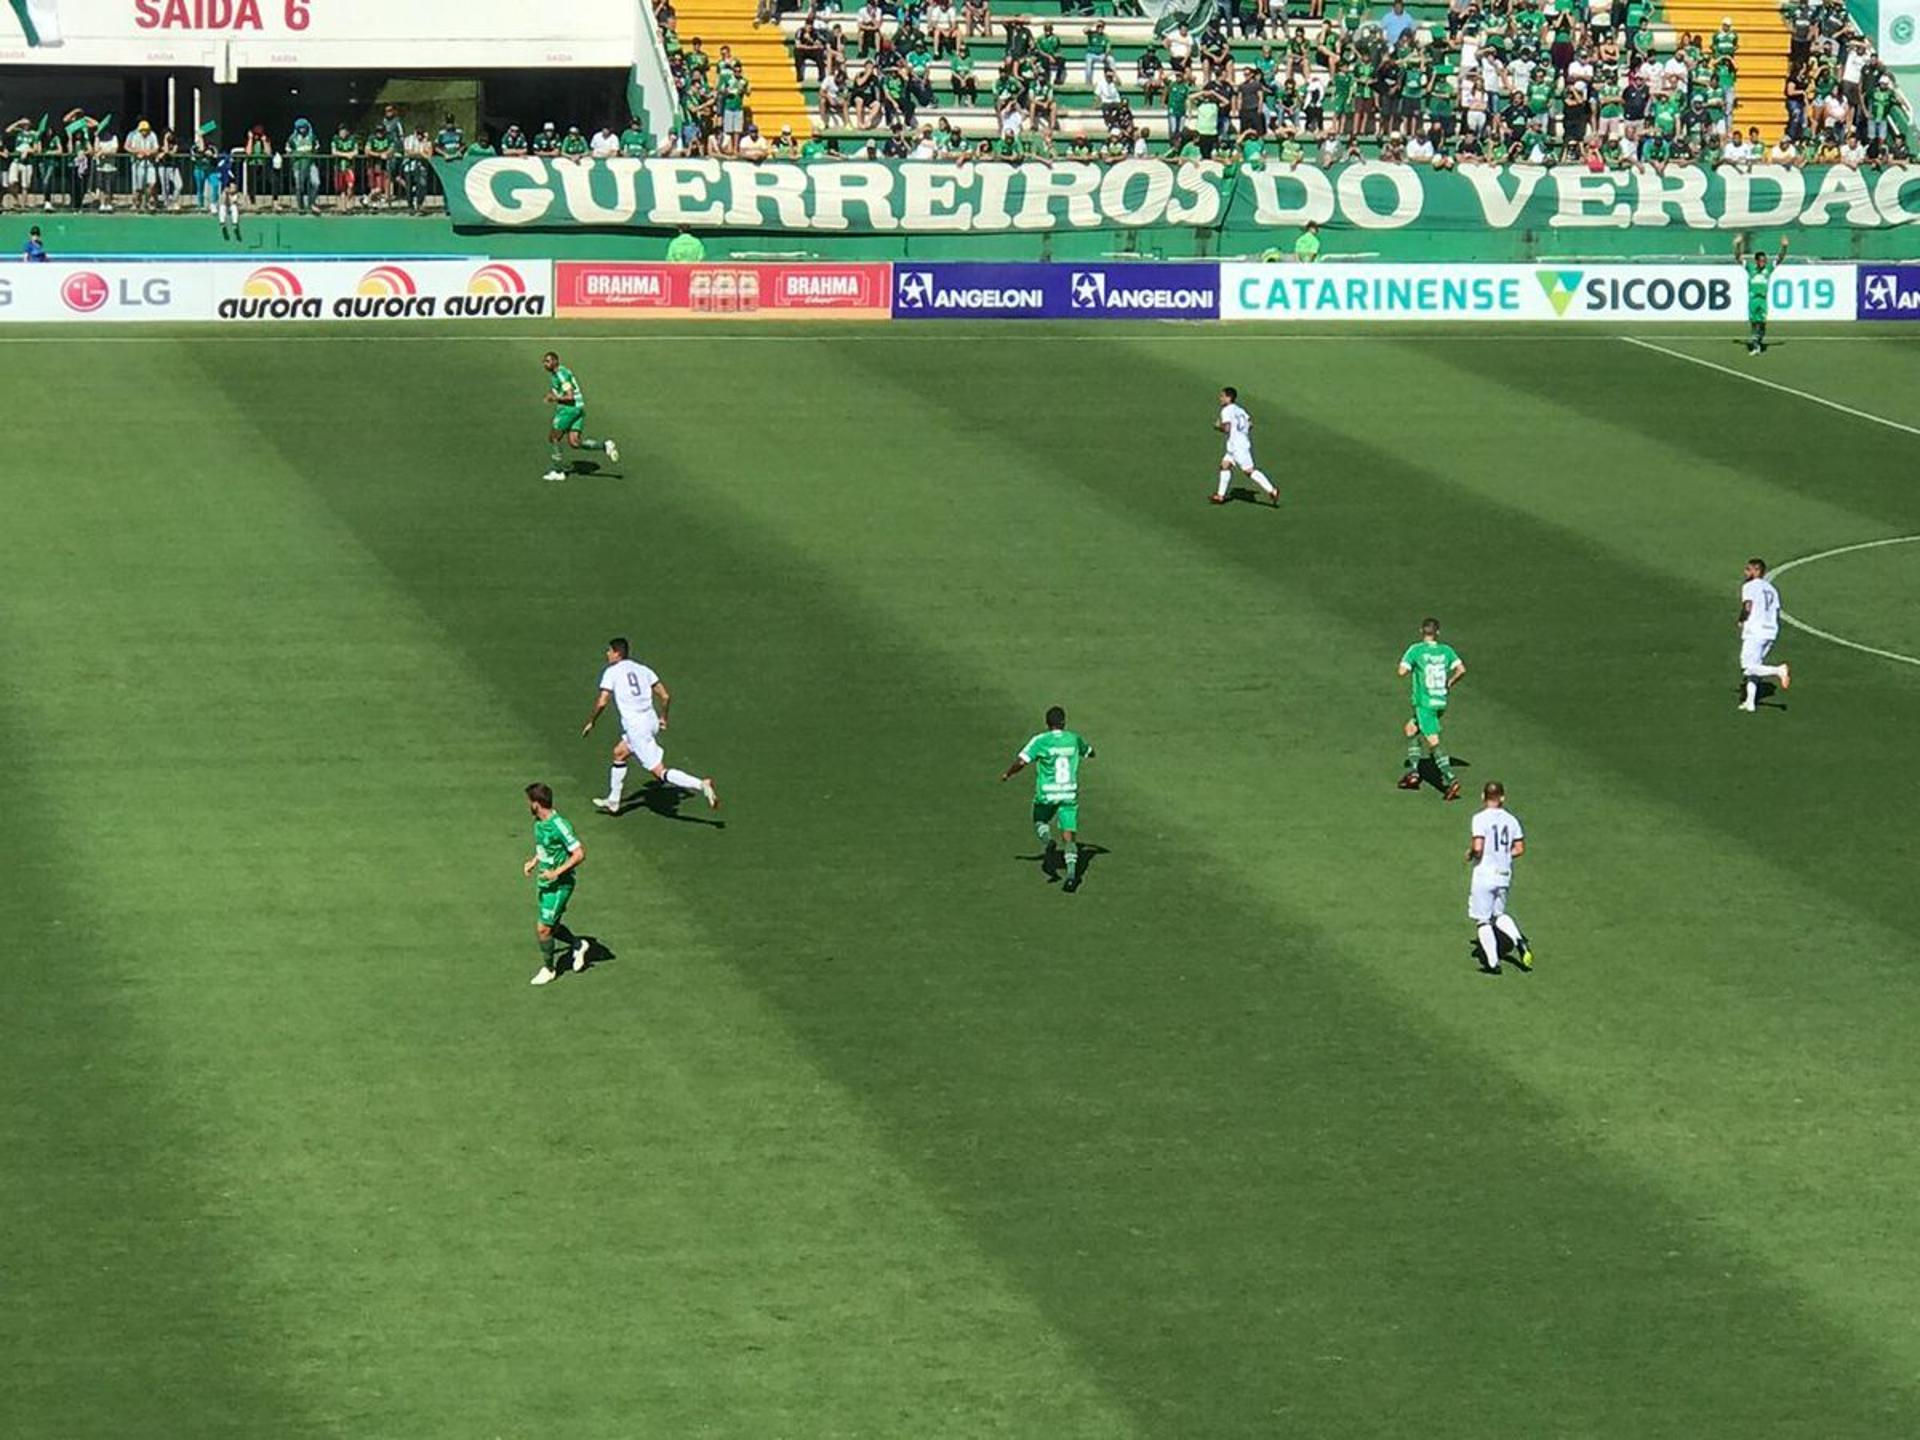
(1073, 860)
(1044, 834)
(1413, 753)
(586, 444)
(547, 957)
(1445, 762)
(558, 458)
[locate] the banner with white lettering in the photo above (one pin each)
(1568, 205)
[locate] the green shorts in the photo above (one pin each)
(1427, 720)
(553, 902)
(569, 417)
(1067, 815)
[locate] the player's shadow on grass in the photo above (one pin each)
(1764, 693)
(587, 469)
(665, 800)
(1053, 864)
(1249, 495)
(598, 951)
(1430, 773)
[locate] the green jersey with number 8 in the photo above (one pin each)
(1055, 756)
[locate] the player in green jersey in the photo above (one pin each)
(1759, 281)
(569, 403)
(1055, 753)
(1433, 669)
(554, 866)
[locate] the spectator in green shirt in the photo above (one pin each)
(685, 248)
(574, 147)
(1306, 249)
(634, 142)
(1099, 48)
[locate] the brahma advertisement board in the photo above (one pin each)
(382, 290)
(1088, 290)
(630, 290)
(1636, 293)
(110, 290)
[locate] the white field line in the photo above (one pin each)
(1773, 385)
(1828, 635)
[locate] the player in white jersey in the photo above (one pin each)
(1237, 426)
(642, 701)
(1498, 840)
(1759, 628)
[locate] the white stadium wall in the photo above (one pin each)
(232, 36)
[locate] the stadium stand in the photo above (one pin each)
(1622, 82)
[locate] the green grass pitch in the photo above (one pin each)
(865, 1130)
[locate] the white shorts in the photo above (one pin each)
(20, 173)
(1239, 452)
(645, 747)
(1486, 901)
(1753, 652)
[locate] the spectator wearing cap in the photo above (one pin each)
(514, 142)
(35, 252)
(785, 147)
(303, 148)
(574, 146)
(143, 151)
(546, 141)
(753, 145)
(635, 143)
(380, 165)
(344, 152)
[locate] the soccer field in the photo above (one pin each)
(863, 1128)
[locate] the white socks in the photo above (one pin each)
(616, 782)
(1504, 924)
(684, 780)
(1226, 479)
(1489, 947)
(1260, 479)
(1753, 691)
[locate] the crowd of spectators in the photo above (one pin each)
(83, 163)
(1538, 81)
(1598, 82)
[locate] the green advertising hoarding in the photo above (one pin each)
(1391, 211)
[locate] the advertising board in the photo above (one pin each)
(380, 290)
(110, 290)
(1085, 290)
(629, 289)
(1635, 293)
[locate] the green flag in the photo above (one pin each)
(39, 20)
(41, 128)
(105, 125)
(209, 127)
